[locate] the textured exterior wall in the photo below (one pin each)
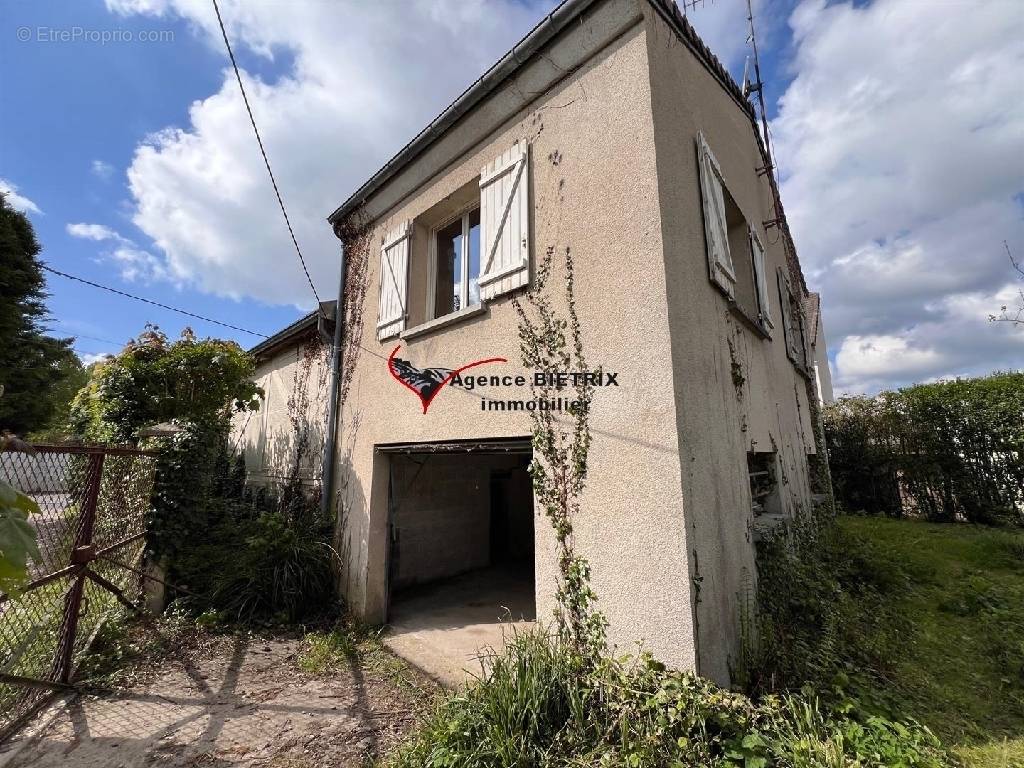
(593, 187)
(267, 437)
(719, 419)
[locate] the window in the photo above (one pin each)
(456, 264)
(736, 259)
(764, 485)
(469, 248)
(764, 312)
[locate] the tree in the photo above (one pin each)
(154, 380)
(33, 366)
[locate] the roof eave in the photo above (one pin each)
(539, 36)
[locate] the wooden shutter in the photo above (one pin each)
(786, 309)
(793, 325)
(394, 281)
(716, 230)
(505, 223)
(760, 280)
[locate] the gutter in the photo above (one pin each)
(327, 468)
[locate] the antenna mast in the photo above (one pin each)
(758, 87)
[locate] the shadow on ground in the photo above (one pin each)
(231, 700)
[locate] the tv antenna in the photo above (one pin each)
(692, 4)
(757, 86)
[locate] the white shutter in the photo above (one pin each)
(505, 223)
(716, 230)
(763, 305)
(394, 281)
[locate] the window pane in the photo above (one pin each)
(449, 269)
(474, 257)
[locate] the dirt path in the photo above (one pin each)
(231, 701)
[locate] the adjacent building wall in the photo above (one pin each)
(594, 189)
(734, 390)
(267, 437)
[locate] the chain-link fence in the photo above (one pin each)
(90, 531)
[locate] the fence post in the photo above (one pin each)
(81, 554)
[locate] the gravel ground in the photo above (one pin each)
(231, 700)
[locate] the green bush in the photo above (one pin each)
(535, 708)
(953, 450)
(827, 615)
(247, 554)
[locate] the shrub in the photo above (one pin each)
(826, 614)
(953, 450)
(248, 554)
(535, 708)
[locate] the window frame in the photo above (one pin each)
(464, 216)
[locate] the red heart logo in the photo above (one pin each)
(427, 382)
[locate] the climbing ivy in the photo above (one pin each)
(551, 343)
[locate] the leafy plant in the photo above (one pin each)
(534, 709)
(155, 380)
(17, 537)
(948, 451)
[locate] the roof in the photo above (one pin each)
(567, 12)
(292, 333)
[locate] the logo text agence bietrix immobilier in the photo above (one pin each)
(425, 383)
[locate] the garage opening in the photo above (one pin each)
(461, 551)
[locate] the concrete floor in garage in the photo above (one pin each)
(445, 628)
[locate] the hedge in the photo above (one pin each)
(948, 451)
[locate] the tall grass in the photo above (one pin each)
(536, 708)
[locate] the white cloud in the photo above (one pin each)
(97, 232)
(363, 79)
(901, 139)
(133, 262)
(88, 358)
(16, 201)
(102, 170)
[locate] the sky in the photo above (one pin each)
(897, 124)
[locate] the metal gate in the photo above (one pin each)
(90, 532)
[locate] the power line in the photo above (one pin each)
(154, 303)
(263, 151)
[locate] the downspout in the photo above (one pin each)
(327, 470)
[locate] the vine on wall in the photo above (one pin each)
(550, 343)
(313, 354)
(354, 234)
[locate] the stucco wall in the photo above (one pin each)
(267, 436)
(593, 188)
(821, 364)
(719, 419)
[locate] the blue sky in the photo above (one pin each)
(84, 102)
(897, 123)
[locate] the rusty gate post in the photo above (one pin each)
(81, 554)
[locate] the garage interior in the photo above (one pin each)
(461, 553)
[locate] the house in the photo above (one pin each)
(284, 439)
(612, 131)
(819, 350)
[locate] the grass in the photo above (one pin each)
(348, 644)
(963, 673)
